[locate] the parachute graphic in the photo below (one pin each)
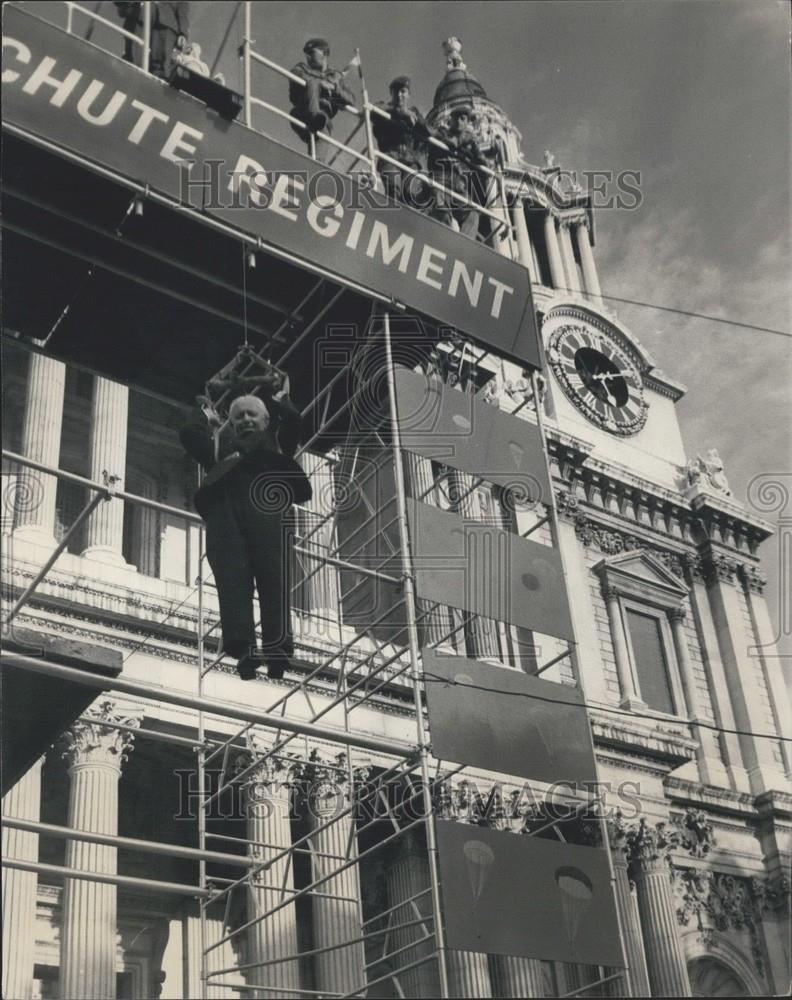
(478, 858)
(576, 895)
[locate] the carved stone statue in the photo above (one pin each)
(707, 473)
(549, 159)
(453, 52)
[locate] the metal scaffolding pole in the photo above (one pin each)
(410, 604)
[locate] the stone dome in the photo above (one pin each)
(456, 86)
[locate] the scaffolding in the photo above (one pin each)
(402, 790)
(407, 765)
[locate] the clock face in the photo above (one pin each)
(598, 376)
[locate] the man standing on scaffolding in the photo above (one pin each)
(403, 136)
(318, 101)
(458, 169)
(245, 499)
(170, 21)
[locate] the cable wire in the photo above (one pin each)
(679, 312)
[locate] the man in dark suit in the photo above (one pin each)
(245, 500)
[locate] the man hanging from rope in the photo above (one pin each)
(251, 481)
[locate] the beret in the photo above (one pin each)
(316, 43)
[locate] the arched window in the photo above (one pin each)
(710, 977)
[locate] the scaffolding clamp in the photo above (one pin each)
(112, 484)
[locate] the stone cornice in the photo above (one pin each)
(774, 804)
(597, 496)
(657, 380)
(724, 801)
(662, 745)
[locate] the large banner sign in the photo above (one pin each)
(511, 894)
(507, 721)
(62, 89)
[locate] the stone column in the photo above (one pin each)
(554, 253)
(629, 698)
(649, 849)
(523, 239)
(321, 587)
(468, 974)
(483, 632)
(636, 983)
(109, 413)
(94, 755)
(590, 278)
(744, 679)
(729, 742)
(23, 801)
(41, 435)
(712, 771)
(267, 798)
(218, 958)
(468, 971)
(568, 255)
(406, 875)
(334, 920)
(436, 623)
(766, 652)
(516, 977)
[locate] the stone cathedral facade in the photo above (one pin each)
(676, 656)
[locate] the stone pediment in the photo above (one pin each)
(639, 571)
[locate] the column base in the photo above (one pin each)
(35, 534)
(110, 557)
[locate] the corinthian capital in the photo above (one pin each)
(326, 779)
(618, 837)
(93, 738)
(266, 773)
(650, 846)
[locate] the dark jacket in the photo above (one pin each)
(404, 136)
(241, 461)
(331, 100)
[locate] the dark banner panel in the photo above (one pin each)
(488, 571)
(510, 894)
(60, 88)
(504, 720)
(461, 430)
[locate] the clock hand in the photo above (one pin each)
(606, 375)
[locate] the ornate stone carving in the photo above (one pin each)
(88, 741)
(566, 502)
(707, 473)
(753, 578)
(618, 836)
(650, 846)
(264, 775)
(720, 902)
(677, 615)
(695, 832)
(452, 47)
(719, 568)
(613, 542)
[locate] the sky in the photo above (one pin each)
(694, 94)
